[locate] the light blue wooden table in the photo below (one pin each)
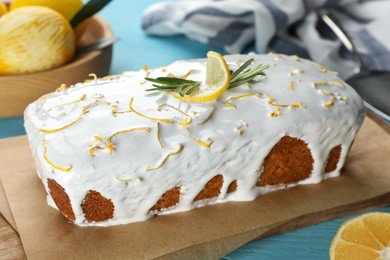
(137, 49)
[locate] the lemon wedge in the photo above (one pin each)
(217, 80)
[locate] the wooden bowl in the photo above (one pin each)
(16, 92)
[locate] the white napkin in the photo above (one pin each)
(284, 26)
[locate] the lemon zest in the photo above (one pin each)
(92, 149)
(93, 75)
(158, 135)
(127, 180)
(60, 168)
(181, 123)
(61, 88)
(202, 143)
(162, 120)
(291, 85)
(111, 147)
(332, 82)
(229, 99)
(90, 80)
(67, 125)
(271, 102)
(209, 117)
(98, 138)
(323, 69)
(330, 103)
(69, 103)
(240, 130)
(162, 162)
(146, 69)
(187, 74)
(115, 112)
(342, 98)
(296, 104)
(276, 113)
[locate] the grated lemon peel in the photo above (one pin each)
(162, 120)
(60, 168)
(165, 158)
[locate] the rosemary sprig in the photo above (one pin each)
(185, 87)
(243, 75)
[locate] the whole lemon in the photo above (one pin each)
(34, 38)
(3, 8)
(68, 8)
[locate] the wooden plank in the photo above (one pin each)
(10, 245)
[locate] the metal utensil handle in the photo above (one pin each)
(344, 37)
(100, 44)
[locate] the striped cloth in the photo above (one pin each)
(283, 26)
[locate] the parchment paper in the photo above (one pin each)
(5, 209)
(206, 233)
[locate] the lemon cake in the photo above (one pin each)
(123, 149)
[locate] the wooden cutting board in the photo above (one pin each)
(373, 143)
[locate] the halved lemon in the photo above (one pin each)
(217, 80)
(3, 8)
(68, 8)
(34, 38)
(363, 237)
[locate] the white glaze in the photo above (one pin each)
(235, 156)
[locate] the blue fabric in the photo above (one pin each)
(274, 23)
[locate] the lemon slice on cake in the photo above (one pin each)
(217, 80)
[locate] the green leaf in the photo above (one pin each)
(88, 10)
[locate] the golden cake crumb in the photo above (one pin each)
(96, 207)
(289, 161)
(61, 199)
(212, 188)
